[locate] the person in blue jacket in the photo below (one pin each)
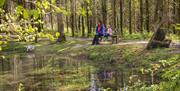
(99, 33)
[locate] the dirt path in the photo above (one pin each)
(175, 45)
(121, 43)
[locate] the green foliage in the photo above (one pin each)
(35, 13)
(50, 37)
(177, 26)
(24, 23)
(136, 36)
(57, 34)
(169, 71)
(2, 3)
(0, 48)
(19, 9)
(21, 87)
(81, 11)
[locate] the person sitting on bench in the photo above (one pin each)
(99, 33)
(108, 32)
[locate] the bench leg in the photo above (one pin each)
(112, 40)
(116, 40)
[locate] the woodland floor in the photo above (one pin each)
(99, 57)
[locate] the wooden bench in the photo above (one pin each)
(114, 36)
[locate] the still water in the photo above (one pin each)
(51, 72)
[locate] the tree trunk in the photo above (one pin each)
(87, 18)
(121, 17)
(51, 17)
(79, 23)
(76, 18)
(83, 27)
(114, 13)
(130, 19)
(73, 17)
(147, 15)
(158, 11)
(62, 37)
(93, 13)
(104, 11)
(174, 15)
(159, 40)
(141, 16)
(178, 11)
(67, 21)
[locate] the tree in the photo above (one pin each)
(51, 16)
(141, 15)
(178, 11)
(174, 15)
(114, 13)
(121, 17)
(62, 37)
(104, 11)
(82, 18)
(67, 21)
(130, 18)
(87, 2)
(147, 15)
(73, 17)
(158, 11)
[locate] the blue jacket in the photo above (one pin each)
(102, 30)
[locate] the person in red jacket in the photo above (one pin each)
(99, 33)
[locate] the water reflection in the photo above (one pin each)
(56, 73)
(43, 73)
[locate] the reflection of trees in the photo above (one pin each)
(17, 67)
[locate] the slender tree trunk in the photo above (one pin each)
(83, 27)
(174, 15)
(141, 16)
(130, 18)
(114, 13)
(79, 23)
(161, 10)
(118, 21)
(72, 17)
(90, 25)
(134, 17)
(51, 17)
(62, 37)
(67, 21)
(178, 11)
(93, 13)
(87, 19)
(147, 15)
(82, 20)
(158, 11)
(104, 11)
(121, 17)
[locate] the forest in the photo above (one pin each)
(89, 45)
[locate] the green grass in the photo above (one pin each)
(92, 59)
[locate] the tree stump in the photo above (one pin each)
(159, 40)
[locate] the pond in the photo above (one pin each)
(51, 72)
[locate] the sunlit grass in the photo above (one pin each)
(78, 63)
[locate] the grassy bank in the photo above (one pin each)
(132, 65)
